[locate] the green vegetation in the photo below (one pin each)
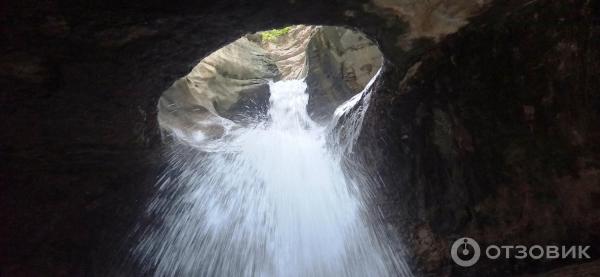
(272, 35)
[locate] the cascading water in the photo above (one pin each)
(272, 200)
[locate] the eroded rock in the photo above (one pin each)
(473, 140)
(341, 62)
(231, 83)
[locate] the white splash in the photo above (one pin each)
(347, 119)
(272, 201)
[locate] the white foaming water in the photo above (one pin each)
(272, 201)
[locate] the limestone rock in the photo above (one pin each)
(231, 83)
(341, 62)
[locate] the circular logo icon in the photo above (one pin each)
(465, 252)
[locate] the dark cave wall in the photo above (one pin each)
(80, 146)
(494, 134)
(464, 154)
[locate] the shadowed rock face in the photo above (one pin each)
(430, 19)
(340, 64)
(492, 132)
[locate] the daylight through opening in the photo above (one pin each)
(261, 179)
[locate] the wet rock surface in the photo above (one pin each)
(493, 133)
(340, 63)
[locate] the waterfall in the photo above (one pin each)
(270, 200)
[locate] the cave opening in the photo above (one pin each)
(261, 178)
(230, 86)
